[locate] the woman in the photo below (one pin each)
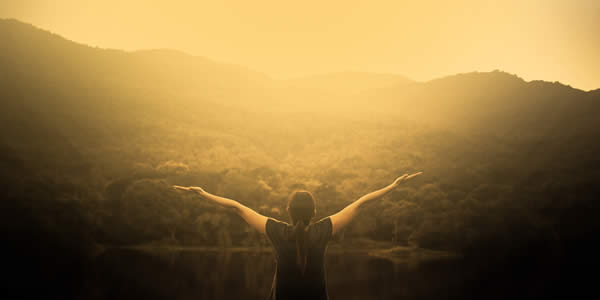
(299, 246)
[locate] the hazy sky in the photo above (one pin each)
(550, 40)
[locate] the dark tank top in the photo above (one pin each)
(289, 282)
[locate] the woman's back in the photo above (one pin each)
(290, 282)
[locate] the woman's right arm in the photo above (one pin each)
(346, 215)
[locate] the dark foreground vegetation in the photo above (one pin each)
(91, 140)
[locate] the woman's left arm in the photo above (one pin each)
(251, 217)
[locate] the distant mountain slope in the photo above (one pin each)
(33, 57)
(490, 101)
(29, 54)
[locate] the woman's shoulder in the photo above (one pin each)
(275, 228)
(322, 228)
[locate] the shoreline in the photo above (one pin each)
(397, 254)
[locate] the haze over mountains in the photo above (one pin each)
(91, 139)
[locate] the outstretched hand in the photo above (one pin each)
(194, 189)
(405, 177)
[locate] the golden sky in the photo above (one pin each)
(550, 39)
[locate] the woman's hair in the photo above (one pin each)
(301, 208)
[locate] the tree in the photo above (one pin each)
(153, 210)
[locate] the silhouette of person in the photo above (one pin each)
(299, 246)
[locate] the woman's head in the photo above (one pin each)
(301, 206)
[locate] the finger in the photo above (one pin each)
(414, 175)
(181, 187)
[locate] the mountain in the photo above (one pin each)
(32, 54)
(490, 101)
(84, 122)
(82, 98)
(85, 96)
(161, 76)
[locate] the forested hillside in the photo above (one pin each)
(92, 139)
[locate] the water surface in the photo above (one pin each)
(168, 274)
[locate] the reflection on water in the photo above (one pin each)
(133, 274)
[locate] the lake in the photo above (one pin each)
(189, 274)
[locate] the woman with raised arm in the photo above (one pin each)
(299, 246)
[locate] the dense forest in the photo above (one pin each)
(92, 140)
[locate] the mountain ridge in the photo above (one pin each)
(20, 26)
(158, 79)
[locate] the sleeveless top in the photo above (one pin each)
(289, 282)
